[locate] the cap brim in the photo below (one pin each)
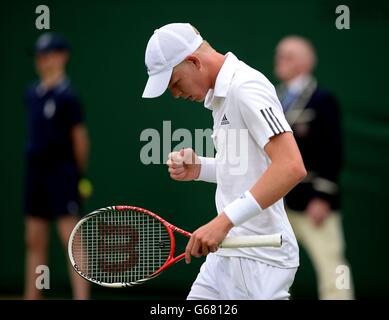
(157, 84)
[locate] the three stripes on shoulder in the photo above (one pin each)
(273, 122)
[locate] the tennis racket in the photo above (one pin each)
(122, 246)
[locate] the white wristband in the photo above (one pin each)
(207, 170)
(242, 209)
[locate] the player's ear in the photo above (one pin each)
(194, 60)
(65, 56)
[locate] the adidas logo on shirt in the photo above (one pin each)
(225, 120)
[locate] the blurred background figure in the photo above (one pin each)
(314, 205)
(56, 159)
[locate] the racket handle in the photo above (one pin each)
(272, 240)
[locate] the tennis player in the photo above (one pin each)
(249, 201)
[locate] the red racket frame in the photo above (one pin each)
(170, 228)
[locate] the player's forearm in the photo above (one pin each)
(207, 170)
(277, 181)
(81, 156)
(284, 172)
(81, 147)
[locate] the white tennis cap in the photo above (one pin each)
(168, 47)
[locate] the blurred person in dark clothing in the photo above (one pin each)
(56, 159)
(313, 206)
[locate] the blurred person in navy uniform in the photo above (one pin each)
(313, 206)
(56, 159)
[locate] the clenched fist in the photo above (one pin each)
(184, 165)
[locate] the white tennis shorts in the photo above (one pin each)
(236, 278)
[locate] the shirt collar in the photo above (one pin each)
(298, 84)
(223, 80)
(60, 86)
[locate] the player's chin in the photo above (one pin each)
(199, 99)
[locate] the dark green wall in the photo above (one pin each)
(107, 67)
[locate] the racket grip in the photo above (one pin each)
(271, 240)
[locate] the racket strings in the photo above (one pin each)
(120, 246)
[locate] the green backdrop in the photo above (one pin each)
(108, 40)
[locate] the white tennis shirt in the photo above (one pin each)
(246, 114)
